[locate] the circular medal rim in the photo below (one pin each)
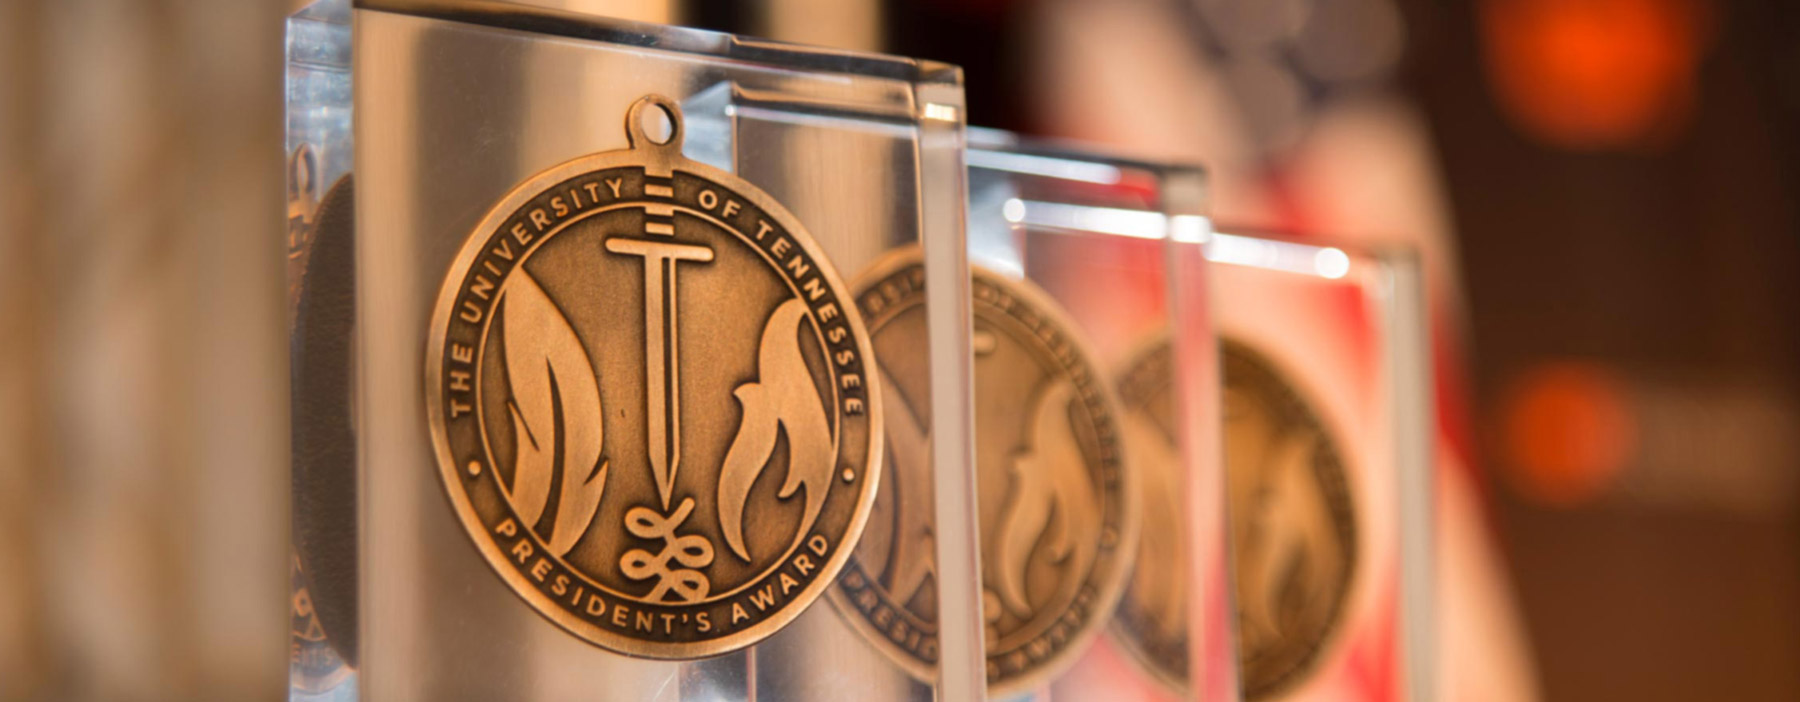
(645, 155)
(883, 267)
(1113, 584)
(1140, 352)
(587, 578)
(1336, 630)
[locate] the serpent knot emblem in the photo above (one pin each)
(692, 551)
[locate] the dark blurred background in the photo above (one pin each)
(1604, 190)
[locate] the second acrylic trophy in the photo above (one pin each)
(1099, 487)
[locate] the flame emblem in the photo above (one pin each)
(558, 473)
(1049, 498)
(783, 399)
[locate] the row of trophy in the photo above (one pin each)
(647, 363)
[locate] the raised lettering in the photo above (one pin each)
(764, 598)
(483, 288)
(799, 268)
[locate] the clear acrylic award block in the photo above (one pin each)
(588, 390)
(1099, 483)
(1327, 448)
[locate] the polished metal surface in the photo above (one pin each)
(1293, 531)
(629, 349)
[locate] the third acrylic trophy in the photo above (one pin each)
(1327, 446)
(604, 407)
(1098, 483)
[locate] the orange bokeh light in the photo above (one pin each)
(1593, 73)
(1568, 432)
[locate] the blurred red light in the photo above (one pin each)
(1568, 432)
(1593, 73)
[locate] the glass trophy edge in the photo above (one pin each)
(943, 148)
(1393, 274)
(317, 152)
(1409, 371)
(576, 25)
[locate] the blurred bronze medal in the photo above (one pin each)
(652, 402)
(1153, 615)
(322, 313)
(1293, 536)
(1055, 498)
(888, 589)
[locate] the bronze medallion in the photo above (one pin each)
(1055, 497)
(1153, 615)
(652, 401)
(321, 318)
(1293, 534)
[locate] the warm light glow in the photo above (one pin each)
(1285, 256)
(1568, 432)
(1594, 73)
(1331, 263)
(1190, 229)
(1013, 210)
